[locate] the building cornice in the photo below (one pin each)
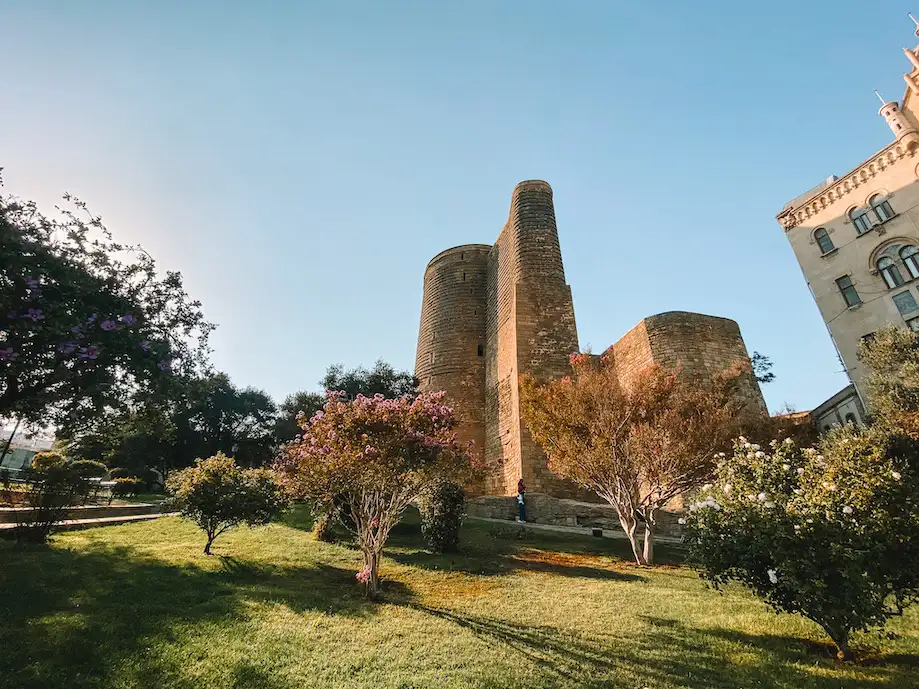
(904, 147)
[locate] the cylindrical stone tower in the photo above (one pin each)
(451, 338)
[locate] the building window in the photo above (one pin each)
(481, 350)
(913, 324)
(861, 220)
(881, 207)
(890, 272)
(847, 289)
(824, 241)
(850, 418)
(906, 303)
(910, 256)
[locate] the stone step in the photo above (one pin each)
(77, 524)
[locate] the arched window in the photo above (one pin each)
(850, 418)
(861, 220)
(881, 207)
(824, 241)
(910, 257)
(890, 272)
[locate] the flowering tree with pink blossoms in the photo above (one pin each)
(84, 321)
(377, 456)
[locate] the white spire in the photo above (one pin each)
(915, 21)
(880, 97)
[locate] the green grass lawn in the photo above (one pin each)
(139, 605)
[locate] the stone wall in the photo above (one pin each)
(546, 509)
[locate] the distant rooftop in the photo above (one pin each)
(798, 200)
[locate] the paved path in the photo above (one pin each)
(580, 530)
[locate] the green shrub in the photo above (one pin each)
(829, 533)
(442, 510)
(49, 492)
(127, 487)
(218, 495)
(43, 461)
(87, 468)
(322, 528)
(118, 472)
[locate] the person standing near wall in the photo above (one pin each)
(521, 492)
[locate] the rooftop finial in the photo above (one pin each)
(915, 21)
(880, 97)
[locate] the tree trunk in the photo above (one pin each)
(207, 548)
(649, 543)
(630, 526)
(372, 585)
(843, 652)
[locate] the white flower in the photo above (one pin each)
(751, 496)
(847, 510)
(762, 497)
(773, 577)
(786, 467)
(681, 521)
(789, 441)
(769, 504)
(800, 471)
(797, 528)
(727, 488)
(797, 491)
(760, 454)
(755, 446)
(896, 475)
(707, 486)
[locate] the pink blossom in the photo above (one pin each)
(108, 325)
(89, 352)
(8, 354)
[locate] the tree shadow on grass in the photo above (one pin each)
(79, 619)
(670, 654)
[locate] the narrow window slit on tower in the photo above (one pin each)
(481, 350)
(464, 277)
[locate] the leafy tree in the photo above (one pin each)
(191, 417)
(218, 495)
(892, 358)
(637, 448)
(382, 379)
(290, 410)
(378, 455)
(762, 368)
(85, 321)
(830, 534)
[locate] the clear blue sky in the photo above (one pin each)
(300, 162)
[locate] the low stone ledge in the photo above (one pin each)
(544, 509)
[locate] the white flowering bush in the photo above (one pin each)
(830, 533)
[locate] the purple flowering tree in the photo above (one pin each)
(379, 455)
(84, 321)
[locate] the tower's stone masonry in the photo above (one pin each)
(492, 313)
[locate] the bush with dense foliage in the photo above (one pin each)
(621, 442)
(376, 456)
(88, 468)
(49, 492)
(442, 510)
(50, 459)
(892, 359)
(218, 495)
(127, 487)
(830, 533)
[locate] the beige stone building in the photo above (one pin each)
(856, 237)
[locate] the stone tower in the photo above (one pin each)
(492, 313)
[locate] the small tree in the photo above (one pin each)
(375, 456)
(892, 358)
(218, 495)
(831, 534)
(637, 448)
(442, 509)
